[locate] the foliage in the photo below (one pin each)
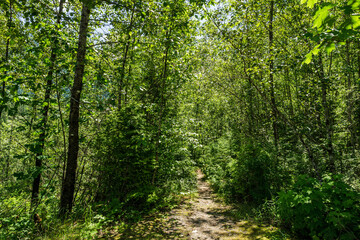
(253, 175)
(327, 209)
(248, 175)
(214, 162)
(124, 150)
(172, 85)
(334, 23)
(132, 176)
(13, 223)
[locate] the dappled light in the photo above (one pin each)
(179, 119)
(204, 216)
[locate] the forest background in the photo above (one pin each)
(107, 108)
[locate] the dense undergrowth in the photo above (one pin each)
(131, 180)
(303, 206)
(120, 101)
(88, 219)
(87, 222)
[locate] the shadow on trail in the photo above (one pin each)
(155, 229)
(207, 217)
(150, 228)
(203, 218)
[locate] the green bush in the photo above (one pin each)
(215, 164)
(245, 173)
(125, 156)
(139, 165)
(327, 209)
(252, 174)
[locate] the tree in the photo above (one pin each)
(6, 57)
(45, 111)
(68, 187)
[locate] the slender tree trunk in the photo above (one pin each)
(68, 187)
(327, 111)
(288, 90)
(45, 113)
(349, 101)
(250, 114)
(3, 90)
(62, 128)
(162, 103)
(358, 58)
(127, 46)
(271, 76)
(357, 90)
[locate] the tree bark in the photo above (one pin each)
(3, 90)
(162, 102)
(126, 50)
(271, 76)
(325, 81)
(45, 113)
(349, 101)
(68, 187)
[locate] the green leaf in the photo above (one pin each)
(355, 4)
(321, 15)
(330, 47)
(308, 58)
(314, 51)
(310, 3)
(355, 21)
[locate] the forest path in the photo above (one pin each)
(203, 217)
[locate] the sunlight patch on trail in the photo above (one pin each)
(208, 218)
(204, 217)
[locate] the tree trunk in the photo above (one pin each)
(271, 76)
(349, 101)
(162, 103)
(45, 112)
(3, 90)
(68, 186)
(357, 110)
(127, 46)
(288, 92)
(325, 81)
(250, 113)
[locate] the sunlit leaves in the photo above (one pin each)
(330, 47)
(314, 51)
(310, 3)
(334, 22)
(321, 15)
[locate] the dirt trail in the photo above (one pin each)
(208, 218)
(202, 218)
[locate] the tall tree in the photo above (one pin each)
(125, 57)
(271, 75)
(45, 110)
(6, 58)
(68, 187)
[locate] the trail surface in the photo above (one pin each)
(202, 218)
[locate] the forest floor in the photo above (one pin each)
(202, 217)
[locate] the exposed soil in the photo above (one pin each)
(206, 217)
(203, 217)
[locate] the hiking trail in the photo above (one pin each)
(204, 217)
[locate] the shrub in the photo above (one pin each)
(253, 175)
(327, 209)
(215, 164)
(136, 165)
(125, 155)
(245, 173)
